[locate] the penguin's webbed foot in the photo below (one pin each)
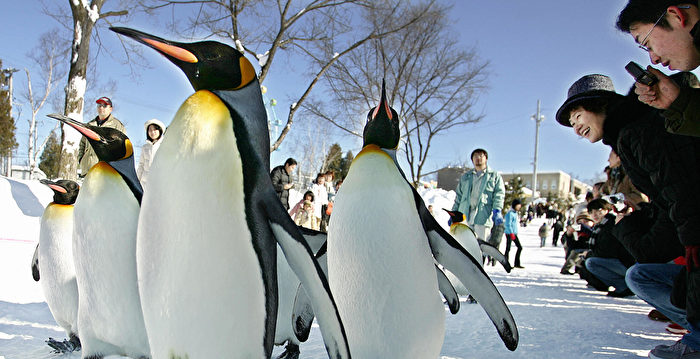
(291, 351)
(65, 346)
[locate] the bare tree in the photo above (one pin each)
(431, 83)
(83, 15)
(312, 143)
(45, 56)
(322, 31)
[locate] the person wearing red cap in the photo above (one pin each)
(86, 155)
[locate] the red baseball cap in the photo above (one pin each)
(104, 101)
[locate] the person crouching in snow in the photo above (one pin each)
(154, 136)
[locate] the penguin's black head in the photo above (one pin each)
(64, 191)
(382, 127)
(455, 216)
(209, 65)
(109, 144)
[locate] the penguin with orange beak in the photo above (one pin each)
(104, 248)
(211, 222)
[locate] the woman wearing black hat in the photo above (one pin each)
(666, 168)
(511, 230)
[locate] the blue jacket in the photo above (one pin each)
(510, 221)
(491, 196)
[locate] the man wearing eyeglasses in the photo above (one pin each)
(669, 30)
(86, 155)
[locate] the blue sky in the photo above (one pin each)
(536, 49)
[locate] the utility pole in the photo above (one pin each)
(538, 118)
(8, 75)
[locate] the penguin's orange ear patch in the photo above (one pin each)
(129, 149)
(247, 72)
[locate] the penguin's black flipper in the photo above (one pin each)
(307, 269)
(448, 252)
(303, 313)
(290, 352)
(315, 239)
(35, 264)
(489, 250)
(448, 291)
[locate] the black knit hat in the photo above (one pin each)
(515, 203)
(585, 88)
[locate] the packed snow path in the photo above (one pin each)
(557, 315)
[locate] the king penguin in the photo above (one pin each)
(55, 253)
(211, 221)
(104, 248)
(381, 251)
(476, 247)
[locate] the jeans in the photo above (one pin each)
(609, 270)
(652, 282)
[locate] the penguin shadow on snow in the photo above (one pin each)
(26, 200)
(24, 328)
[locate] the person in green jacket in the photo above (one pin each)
(480, 195)
(86, 155)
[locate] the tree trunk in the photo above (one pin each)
(84, 18)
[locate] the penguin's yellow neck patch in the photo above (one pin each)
(201, 122)
(371, 149)
(104, 167)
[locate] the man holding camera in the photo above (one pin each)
(281, 177)
(669, 30)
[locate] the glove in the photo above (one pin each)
(511, 236)
(692, 257)
(497, 217)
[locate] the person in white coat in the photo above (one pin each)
(154, 136)
(320, 195)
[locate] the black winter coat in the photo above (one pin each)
(604, 244)
(664, 166)
(280, 178)
(649, 235)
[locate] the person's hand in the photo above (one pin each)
(692, 257)
(622, 214)
(661, 94)
(288, 185)
(497, 217)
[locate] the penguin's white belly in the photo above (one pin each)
(56, 265)
(381, 270)
(200, 279)
(104, 247)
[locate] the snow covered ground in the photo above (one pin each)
(557, 315)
